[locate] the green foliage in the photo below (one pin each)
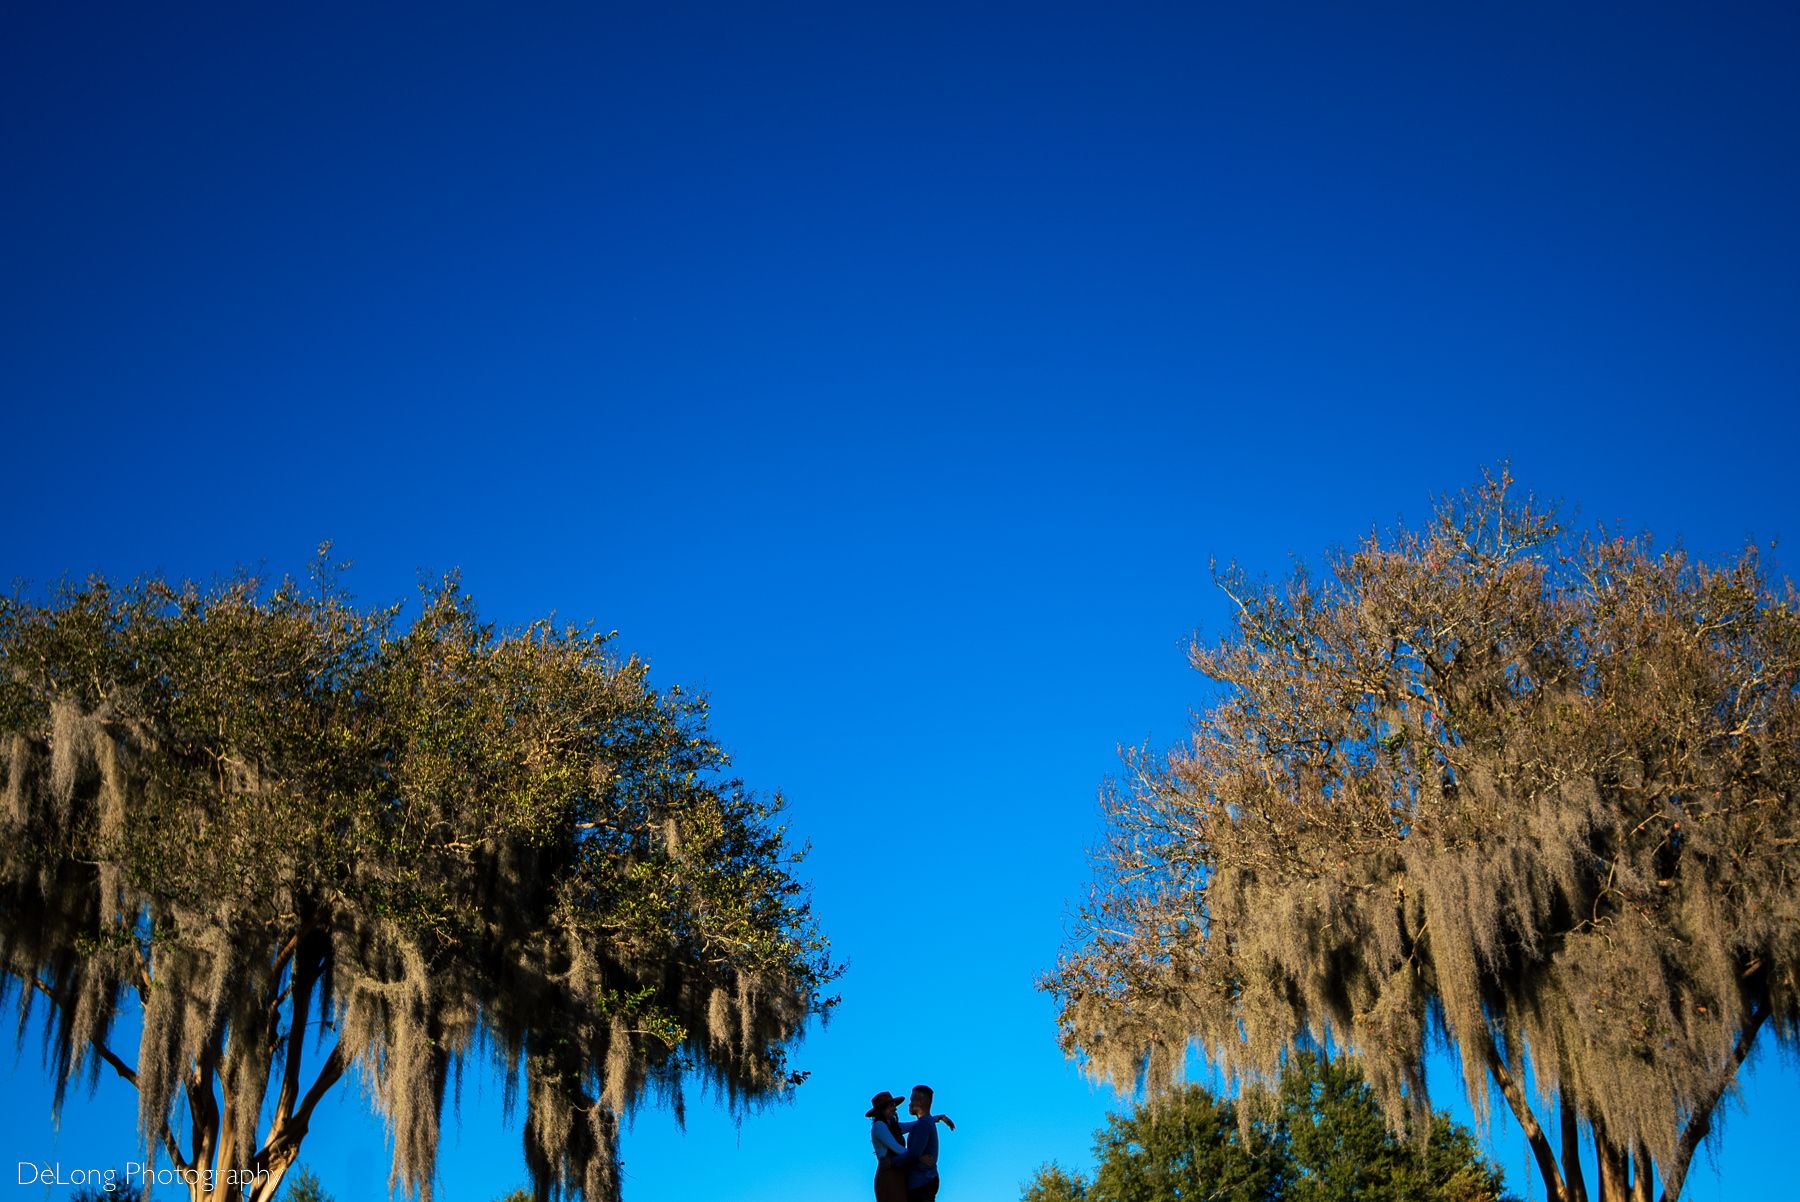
(260, 813)
(303, 1186)
(521, 1194)
(1327, 1141)
(1190, 1146)
(1341, 1147)
(1053, 1183)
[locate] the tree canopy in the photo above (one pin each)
(1326, 1142)
(1528, 792)
(301, 838)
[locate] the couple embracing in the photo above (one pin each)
(907, 1172)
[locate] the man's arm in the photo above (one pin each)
(920, 1141)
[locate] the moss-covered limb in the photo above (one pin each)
(272, 815)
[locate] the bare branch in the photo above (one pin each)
(105, 1053)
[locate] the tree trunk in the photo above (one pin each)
(212, 1158)
(1613, 1165)
(203, 1119)
(1576, 1183)
(1645, 1180)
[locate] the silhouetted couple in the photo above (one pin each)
(907, 1172)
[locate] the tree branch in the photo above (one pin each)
(329, 1072)
(119, 1066)
(143, 967)
(306, 929)
(1521, 1108)
(203, 1113)
(169, 1146)
(301, 986)
(1700, 1124)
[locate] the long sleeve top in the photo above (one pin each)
(921, 1140)
(884, 1141)
(883, 1138)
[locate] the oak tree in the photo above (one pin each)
(1339, 1146)
(1190, 1146)
(1527, 792)
(288, 839)
(1325, 1142)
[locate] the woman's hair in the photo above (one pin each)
(892, 1119)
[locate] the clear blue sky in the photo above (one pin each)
(890, 371)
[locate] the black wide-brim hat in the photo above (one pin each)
(881, 1102)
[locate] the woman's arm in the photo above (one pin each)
(884, 1139)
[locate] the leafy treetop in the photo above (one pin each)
(271, 819)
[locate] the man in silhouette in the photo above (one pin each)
(920, 1158)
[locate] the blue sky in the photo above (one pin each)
(891, 372)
